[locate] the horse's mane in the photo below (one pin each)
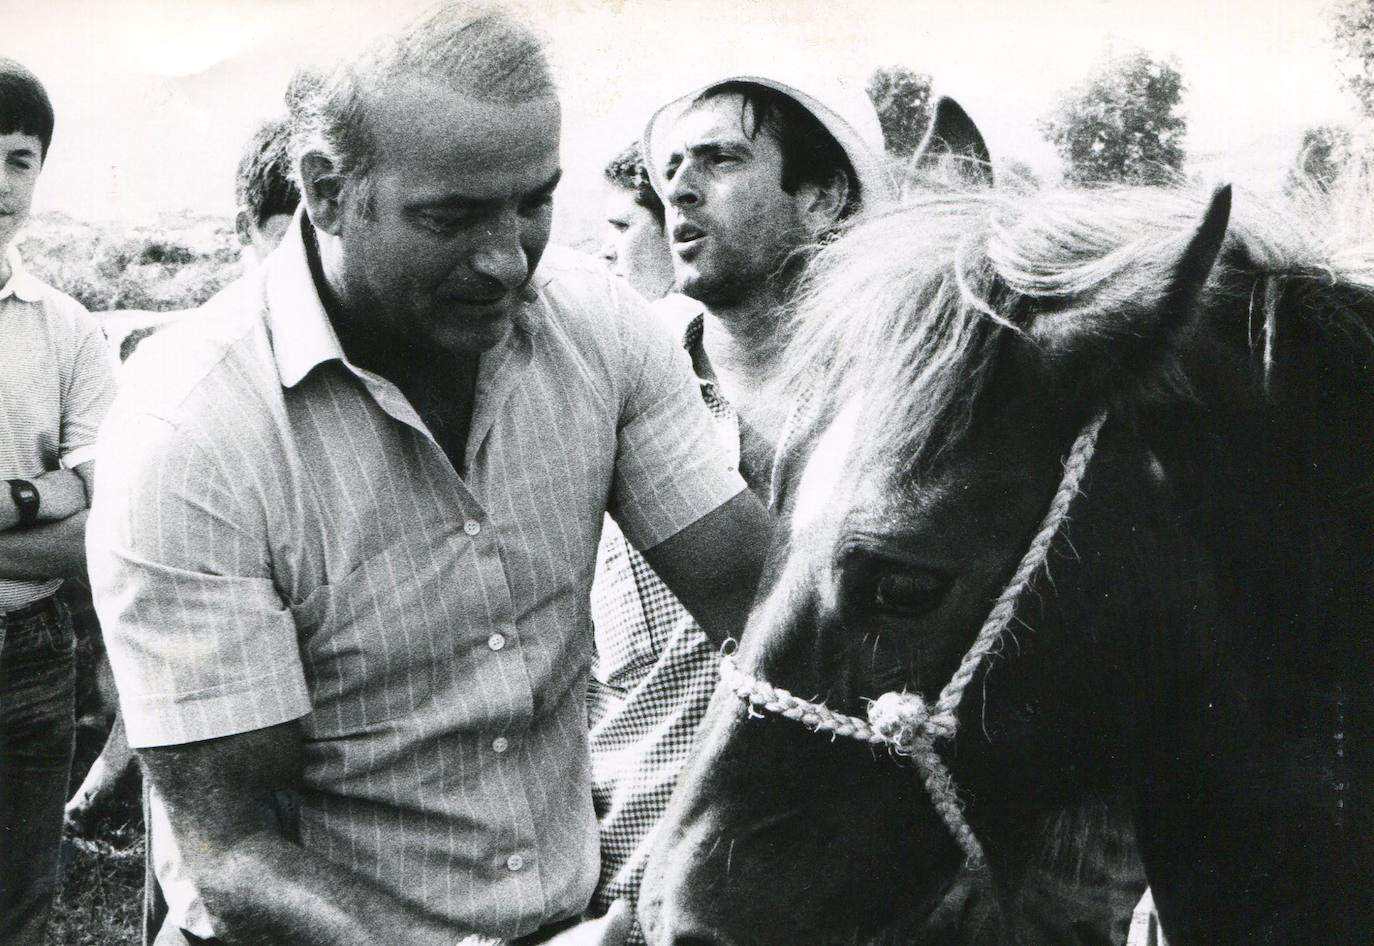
(915, 300)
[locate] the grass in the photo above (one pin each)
(101, 899)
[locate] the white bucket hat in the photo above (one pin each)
(844, 110)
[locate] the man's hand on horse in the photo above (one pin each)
(613, 929)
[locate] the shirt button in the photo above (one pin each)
(472, 527)
(500, 744)
(515, 862)
(496, 641)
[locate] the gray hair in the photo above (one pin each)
(479, 51)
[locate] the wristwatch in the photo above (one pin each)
(25, 496)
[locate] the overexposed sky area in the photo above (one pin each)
(155, 97)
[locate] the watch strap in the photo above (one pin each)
(26, 500)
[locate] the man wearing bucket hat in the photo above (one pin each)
(753, 169)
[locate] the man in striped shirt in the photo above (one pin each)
(349, 516)
(55, 385)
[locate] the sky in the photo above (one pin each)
(155, 97)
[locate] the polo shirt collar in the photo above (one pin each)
(22, 284)
(303, 337)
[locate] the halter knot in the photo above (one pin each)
(905, 723)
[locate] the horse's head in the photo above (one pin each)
(954, 352)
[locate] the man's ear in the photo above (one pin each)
(322, 190)
(823, 204)
(243, 226)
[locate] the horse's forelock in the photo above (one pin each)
(901, 302)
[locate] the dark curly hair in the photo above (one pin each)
(626, 170)
(263, 185)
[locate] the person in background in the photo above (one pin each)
(635, 246)
(753, 173)
(267, 197)
(265, 191)
(347, 528)
(55, 386)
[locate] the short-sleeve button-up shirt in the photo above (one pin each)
(653, 672)
(277, 536)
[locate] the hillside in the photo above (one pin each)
(176, 263)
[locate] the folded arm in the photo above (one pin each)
(54, 547)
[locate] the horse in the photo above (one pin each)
(1077, 504)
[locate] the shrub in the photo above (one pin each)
(177, 263)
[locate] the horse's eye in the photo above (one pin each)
(881, 584)
(914, 591)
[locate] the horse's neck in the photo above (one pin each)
(1256, 781)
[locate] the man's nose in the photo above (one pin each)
(684, 189)
(501, 253)
(607, 252)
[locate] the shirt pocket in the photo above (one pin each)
(371, 646)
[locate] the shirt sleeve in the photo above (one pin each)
(89, 389)
(200, 642)
(671, 466)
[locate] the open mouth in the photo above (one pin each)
(686, 234)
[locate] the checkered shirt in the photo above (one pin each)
(652, 675)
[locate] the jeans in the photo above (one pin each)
(37, 727)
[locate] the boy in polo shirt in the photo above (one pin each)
(55, 385)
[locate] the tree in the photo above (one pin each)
(1326, 150)
(1122, 123)
(1017, 175)
(902, 98)
(1353, 31)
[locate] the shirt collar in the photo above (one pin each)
(691, 334)
(302, 336)
(22, 284)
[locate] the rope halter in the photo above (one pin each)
(902, 721)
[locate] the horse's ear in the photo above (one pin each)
(1116, 338)
(952, 152)
(1199, 257)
